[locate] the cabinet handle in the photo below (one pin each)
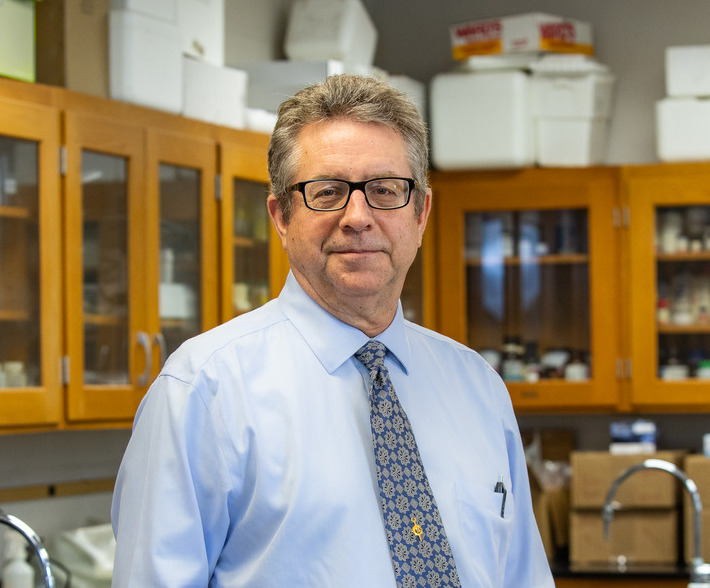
(144, 341)
(159, 340)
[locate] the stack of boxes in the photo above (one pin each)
(683, 116)
(645, 529)
(492, 113)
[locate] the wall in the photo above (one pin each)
(630, 37)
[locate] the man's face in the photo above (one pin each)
(357, 255)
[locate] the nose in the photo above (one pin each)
(357, 215)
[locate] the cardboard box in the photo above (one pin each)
(697, 468)
(682, 129)
(214, 94)
(481, 120)
(145, 61)
(17, 39)
(551, 508)
(688, 71)
(648, 536)
(73, 46)
(201, 24)
(593, 472)
(532, 32)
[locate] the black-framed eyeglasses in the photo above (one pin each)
(380, 193)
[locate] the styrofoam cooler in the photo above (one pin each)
(688, 71)
(571, 142)
(481, 120)
(145, 61)
(682, 129)
(214, 94)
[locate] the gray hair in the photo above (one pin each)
(359, 98)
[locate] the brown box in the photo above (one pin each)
(697, 468)
(551, 509)
(72, 45)
(642, 536)
(593, 473)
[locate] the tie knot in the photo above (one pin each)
(372, 355)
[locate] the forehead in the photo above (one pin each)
(348, 146)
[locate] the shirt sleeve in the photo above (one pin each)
(169, 511)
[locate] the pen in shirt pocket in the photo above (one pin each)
(500, 489)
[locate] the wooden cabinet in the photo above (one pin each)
(30, 286)
(530, 258)
(116, 255)
(668, 242)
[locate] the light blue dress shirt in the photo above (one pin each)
(251, 465)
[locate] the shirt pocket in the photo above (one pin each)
(486, 533)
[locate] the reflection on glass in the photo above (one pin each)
(19, 264)
(528, 292)
(105, 268)
(180, 316)
(251, 246)
(683, 292)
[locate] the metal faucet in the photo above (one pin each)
(700, 571)
(34, 542)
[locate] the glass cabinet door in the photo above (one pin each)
(527, 277)
(181, 251)
(29, 261)
(669, 239)
(107, 351)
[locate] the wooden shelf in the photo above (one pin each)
(14, 315)
(561, 259)
(104, 320)
(684, 329)
(686, 256)
(15, 212)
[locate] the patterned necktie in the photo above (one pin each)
(420, 551)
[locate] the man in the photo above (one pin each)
(251, 461)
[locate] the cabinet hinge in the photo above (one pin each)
(65, 370)
(629, 370)
(616, 217)
(63, 160)
(626, 216)
(218, 187)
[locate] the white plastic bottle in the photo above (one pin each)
(17, 573)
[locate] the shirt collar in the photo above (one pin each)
(331, 340)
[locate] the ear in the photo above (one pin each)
(277, 218)
(424, 216)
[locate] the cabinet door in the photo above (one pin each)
(528, 277)
(181, 258)
(30, 312)
(669, 270)
(254, 264)
(104, 250)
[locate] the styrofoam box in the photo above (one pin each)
(572, 95)
(481, 120)
(415, 89)
(161, 9)
(330, 29)
(271, 82)
(214, 94)
(682, 129)
(201, 24)
(145, 61)
(688, 70)
(571, 142)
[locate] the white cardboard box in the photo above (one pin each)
(481, 120)
(683, 129)
(214, 94)
(144, 61)
(201, 24)
(161, 9)
(530, 32)
(330, 29)
(571, 142)
(17, 40)
(271, 82)
(688, 71)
